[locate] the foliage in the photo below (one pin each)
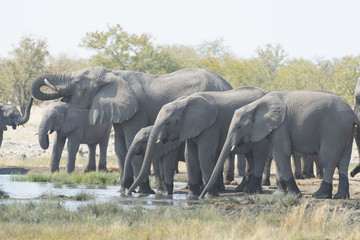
(119, 50)
(26, 61)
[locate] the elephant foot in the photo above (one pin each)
(127, 183)
(144, 188)
(292, 187)
(307, 176)
(299, 176)
(266, 181)
(222, 187)
(325, 191)
(210, 195)
(102, 168)
(89, 169)
(168, 189)
(343, 189)
(194, 191)
(254, 185)
(245, 181)
(227, 182)
(281, 186)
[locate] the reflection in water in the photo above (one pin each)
(25, 191)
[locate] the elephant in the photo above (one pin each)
(303, 167)
(311, 122)
(357, 129)
(130, 100)
(71, 123)
(201, 120)
(165, 160)
(10, 116)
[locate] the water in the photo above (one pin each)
(31, 191)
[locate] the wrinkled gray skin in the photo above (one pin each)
(312, 122)
(165, 160)
(303, 167)
(72, 124)
(10, 116)
(130, 100)
(202, 120)
(357, 129)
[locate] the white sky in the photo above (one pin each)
(304, 28)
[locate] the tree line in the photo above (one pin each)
(269, 68)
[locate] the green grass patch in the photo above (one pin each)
(80, 196)
(91, 178)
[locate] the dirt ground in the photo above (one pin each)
(22, 144)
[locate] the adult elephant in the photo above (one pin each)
(71, 124)
(165, 160)
(130, 100)
(10, 116)
(202, 120)
(312, 122)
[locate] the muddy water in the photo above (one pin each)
(30, 191)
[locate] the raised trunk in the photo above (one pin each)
(26, 116)
(43, 134)
(128, 177)
(145, 168)
(225, 153)
(53, 79)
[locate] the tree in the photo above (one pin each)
(63, 63)
(27, 61)
(119, 50)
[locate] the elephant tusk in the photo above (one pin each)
(232, 148)
(158, 141)
(47, 83)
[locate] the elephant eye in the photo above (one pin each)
(167, 123)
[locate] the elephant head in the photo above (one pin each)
(249, 124)
(10, 116)
(60, 117)
(177, 122)
(108, 97)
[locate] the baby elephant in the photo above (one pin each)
(72, 123)
(165, 161)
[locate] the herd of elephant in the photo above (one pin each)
(194, 115)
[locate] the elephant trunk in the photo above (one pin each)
(225, 152)
(47, 80)
(145, 168)
(43, 134)
(127, 174)
(26, 115)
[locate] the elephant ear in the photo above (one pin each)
(269, 114)
(115, 101)
(74, 118)
(198, 115)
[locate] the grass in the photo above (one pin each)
(80, 196)
(75, 178)
(250, 217)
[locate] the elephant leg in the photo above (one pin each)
(103, 144)
(343, 166)
(91, 164)
(193, 168)
(266, 173)
(72, 147)
(169, 167)
(259, 154)
(58, 147)
(229, 168)
(207, 152)
(307, 166)
(248, 174)
(240, 164)
(329, 158)
(281, 147)
(120, 148)
(319, 167)
(297, 160)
